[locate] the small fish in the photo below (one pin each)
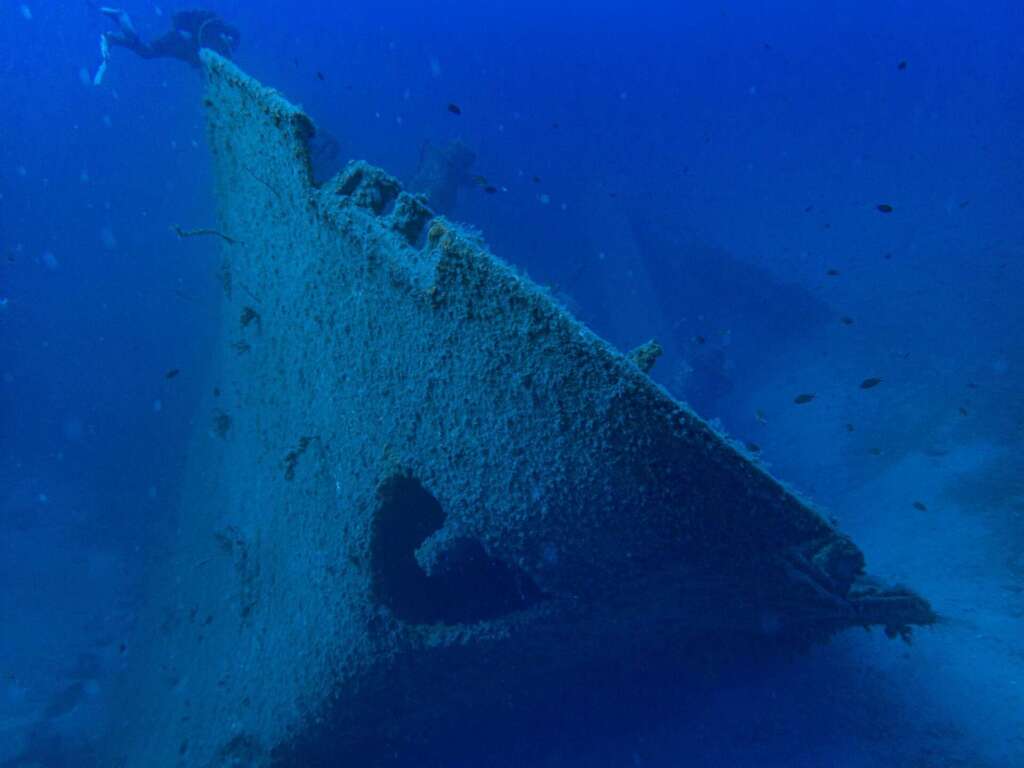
(832, 273)
(884, 208)
(221, 423)
(320, 75)
(971, 385)
(172, 373)
(480, 181)
(216, 391)
(875, 451)
(759, 415)
(806, 397)
(919, 505)
(753, 447)
(490, 189)
(963, 411)
(846, 320)
(887, 256)
(808, 209)
(536, 179)
(249, 315)
(555, 125)
(699, 339)
(869, 383)
(454, 108)
(902, 65)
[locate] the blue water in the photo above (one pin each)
(705, 174)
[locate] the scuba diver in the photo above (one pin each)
(190, 31)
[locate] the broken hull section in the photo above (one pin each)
(424, 485)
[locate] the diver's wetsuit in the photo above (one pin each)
(190, 31)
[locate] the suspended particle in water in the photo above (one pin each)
(108, 239)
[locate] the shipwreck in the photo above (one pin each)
(423, 489)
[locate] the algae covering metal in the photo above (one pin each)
(423, 481)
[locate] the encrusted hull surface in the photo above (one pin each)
(422, 480)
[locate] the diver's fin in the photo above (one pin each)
(101, 70)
